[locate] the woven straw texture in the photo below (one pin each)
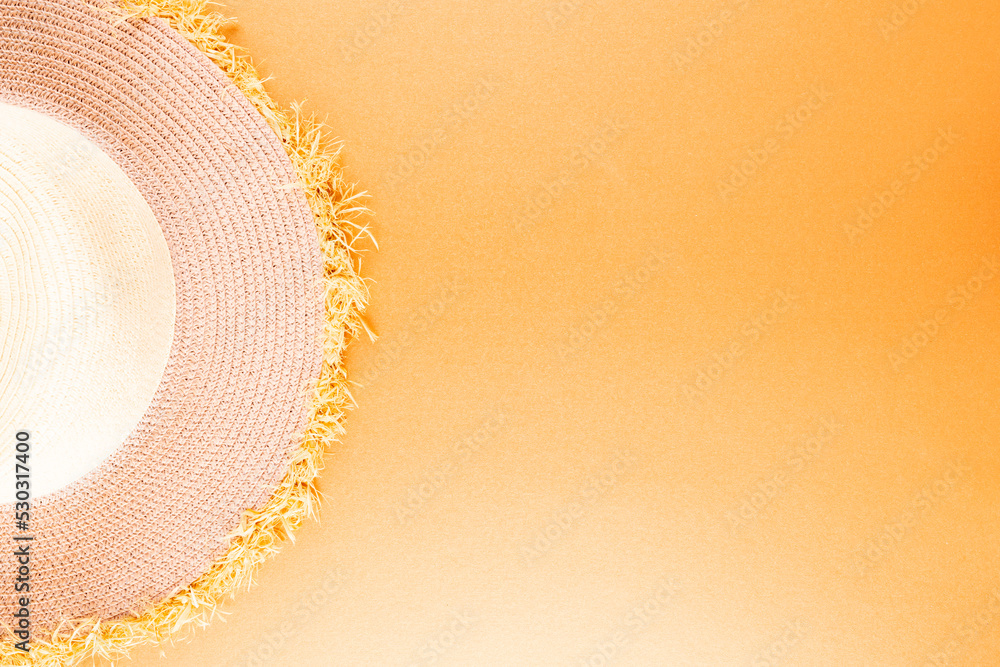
(222, 463)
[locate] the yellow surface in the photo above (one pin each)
(629, 406)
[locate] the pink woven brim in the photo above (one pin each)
(246, 260)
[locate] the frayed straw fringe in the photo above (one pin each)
(337, 207)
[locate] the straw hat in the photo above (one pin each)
(178, 288)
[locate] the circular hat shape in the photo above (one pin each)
(163, 305)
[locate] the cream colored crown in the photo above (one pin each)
(86, 299)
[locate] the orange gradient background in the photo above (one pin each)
(630, 405)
